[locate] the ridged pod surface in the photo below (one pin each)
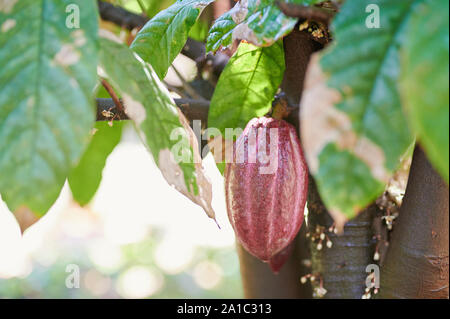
(277, 261)
(266, 199)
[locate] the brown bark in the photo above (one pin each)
(192, 109)
(416, 264)
(323, 15)
(298, 48)
(260, 282)
(341, 268)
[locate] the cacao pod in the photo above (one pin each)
(277, 261)
(266, 186)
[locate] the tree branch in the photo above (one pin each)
(107, 110)
(120, 16)
(113, 95)
(192, 109)
(306, 12)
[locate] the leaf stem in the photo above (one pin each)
(113, 95)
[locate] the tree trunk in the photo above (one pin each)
(341, 268)
(343, 277)
(416, 264)
(260, 282)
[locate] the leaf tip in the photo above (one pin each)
(25, 218)
(339, 220)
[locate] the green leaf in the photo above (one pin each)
(247, 86)
(160, 124)
(245, 90)
(199, 30)
(221, 33)
(257, 21)
(361, 186)
(425, 80)
(85, 178)
(163, 37)
(47, 76)
(351, 101)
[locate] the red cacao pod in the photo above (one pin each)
(277, 261)
(266, 186)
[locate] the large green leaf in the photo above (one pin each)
(245, 90)
(47, 75)
(160, 124)
(247, 86)
(85, 178)
(221, 33)
(425, 80)
(257, 21)
(163, 37)
(353, 129)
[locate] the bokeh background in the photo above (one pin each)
(138, 238)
